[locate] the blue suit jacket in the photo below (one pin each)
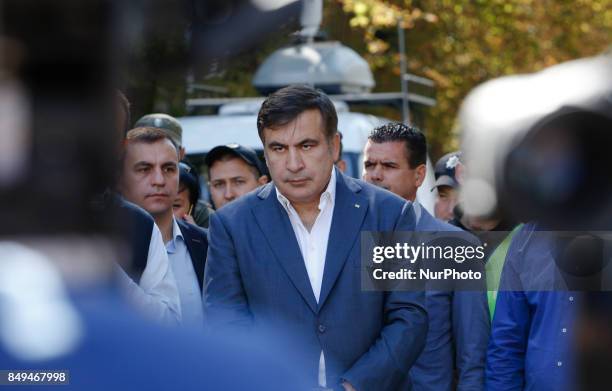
(458, 333)
(255, 276)
(533, 331)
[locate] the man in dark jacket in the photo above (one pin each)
(150, 179)
(395, 158)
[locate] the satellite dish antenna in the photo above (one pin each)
(328, 65)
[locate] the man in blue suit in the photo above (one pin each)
(287, 256)
(395, 158)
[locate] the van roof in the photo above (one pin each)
(202, 133)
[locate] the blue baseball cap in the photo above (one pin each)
(445, 170)
(245, 153)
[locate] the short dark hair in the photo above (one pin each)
(148, 135)
(413, 138)
(286, 104)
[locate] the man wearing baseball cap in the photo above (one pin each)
(168, 124)
(188, 193)
(233, 170)
(448, 171)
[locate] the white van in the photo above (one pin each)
(237, 123)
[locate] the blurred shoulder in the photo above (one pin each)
(134, 211)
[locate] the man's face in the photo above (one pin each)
(445, 203)
(182, 205)
(150, 175)
(386, 165)
(300, 157)
(230, 179)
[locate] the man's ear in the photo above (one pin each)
(262, 180)
(421, 172)
(335, 144)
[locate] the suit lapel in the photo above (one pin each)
(195, 248)
(350, 209)
(276, 227)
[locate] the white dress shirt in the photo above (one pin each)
(313, 244)
(192, 309)
(157, 292)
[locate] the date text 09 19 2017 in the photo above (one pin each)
(27, 377)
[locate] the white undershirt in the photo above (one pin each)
(313, 244)
(157, 292)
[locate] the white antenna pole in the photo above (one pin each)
(403, 71)
(310, 19)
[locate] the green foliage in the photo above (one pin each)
(461, 43)
(457, 43)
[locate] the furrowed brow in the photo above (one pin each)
(390, 164)
(142, 164)
(307, 141)
(276, 144)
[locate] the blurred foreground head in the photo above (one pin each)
(58, 120)
(537, 146)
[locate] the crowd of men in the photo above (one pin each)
(277, 253)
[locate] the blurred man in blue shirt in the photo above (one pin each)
(533, 326)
